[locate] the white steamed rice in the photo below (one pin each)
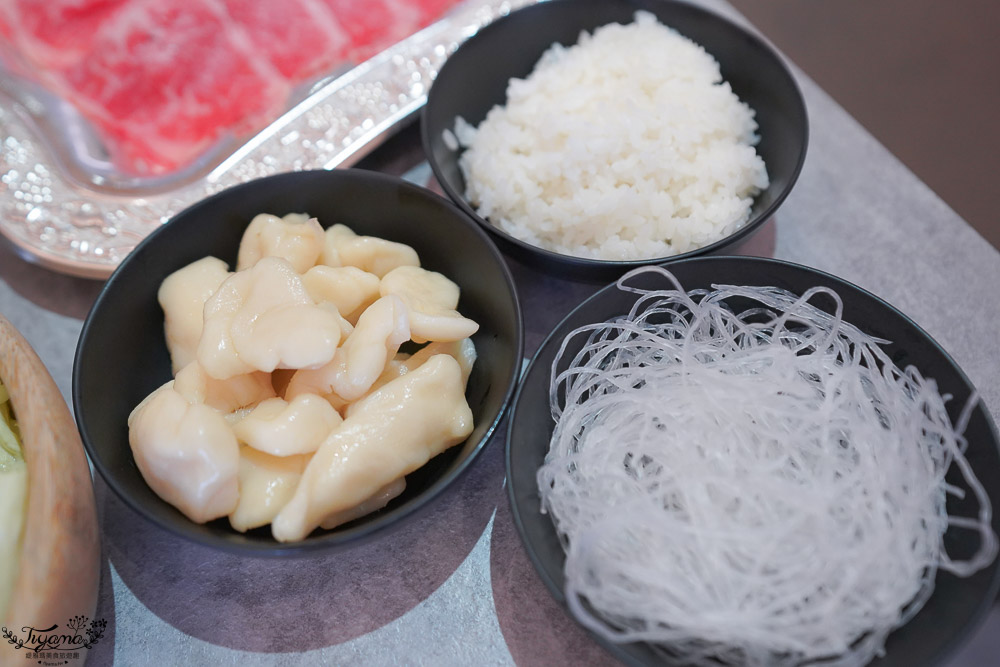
(627, 145)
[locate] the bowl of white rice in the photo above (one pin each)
(593, 136)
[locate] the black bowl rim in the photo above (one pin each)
(328, 541)
(588, 263)
(556, 587)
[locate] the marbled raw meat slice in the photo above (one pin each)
(375, 24)
(162, 80)
(166, 77)
(54, 34)
(9, 55)
(431, 10)
(299, 37)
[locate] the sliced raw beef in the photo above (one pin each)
(164, 77)
(163, 80)
(374, 25)
(370, 23)
(54, 34)
(300, 38)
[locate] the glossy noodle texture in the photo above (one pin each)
(759, 487)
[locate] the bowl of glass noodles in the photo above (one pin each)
(744, 461)
(617, 133)
(298, 363)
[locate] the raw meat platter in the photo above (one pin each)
(116, 114)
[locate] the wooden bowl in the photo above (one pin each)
(59, 566)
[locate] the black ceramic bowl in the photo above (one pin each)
(122, 355)
(956, 606)
(474, 79)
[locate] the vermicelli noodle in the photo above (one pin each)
(758, 486)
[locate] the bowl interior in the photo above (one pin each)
(957, 603)
(475, 77)
(122, 354)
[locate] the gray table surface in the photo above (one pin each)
(456, 586)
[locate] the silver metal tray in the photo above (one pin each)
(75, 219)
